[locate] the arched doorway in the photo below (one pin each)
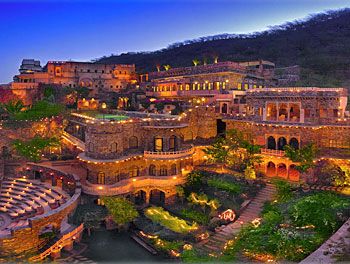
(294, 174)
(282, 170)
(282, 141)
(157, 197)
(271, 169)
(140, 197)
(37, 175)
(293, 142)
(271, 142)
(173, 169)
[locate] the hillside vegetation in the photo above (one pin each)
(320, 44)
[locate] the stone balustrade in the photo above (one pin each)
(274, 152)
(169, 154)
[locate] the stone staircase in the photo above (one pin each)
(216, 242)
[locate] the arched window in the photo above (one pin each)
(114, 147)
(173, 169)
(134, 171)
(101, 178)
(152, 170)
(91, 147)
(282, 141)
(293, 142)
(271, 142)
(158, 144)
(173, 143)
(133, 142)
(163, 171)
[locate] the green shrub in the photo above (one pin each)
(160, 216)
(196, 216)
(122, 210)
(228, 186)
(320, 210)
(283, 190)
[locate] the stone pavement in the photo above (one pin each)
(216, 242)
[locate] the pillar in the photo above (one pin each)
(278, 110)
(264, 113)
(148, 194)
(288, 107)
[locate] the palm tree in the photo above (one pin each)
(167, 67)
(13, 107)
(195, 62)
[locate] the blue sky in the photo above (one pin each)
(84, 30)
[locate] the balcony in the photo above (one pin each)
(169, 154)
(273, 152)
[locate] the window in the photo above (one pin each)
(134, 172)
(173, 169)
(114, 147)
(152, 170)
(133, 142)
(101, 178)
(158, 144)
(163, 171)
(173, 143)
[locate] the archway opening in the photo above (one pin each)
(282, 141)
(282, 170)
(294, 174)
(271, 169)
(157, 197)
(271, 142)
(224, 108)
(152, 170)
(293, 142)
(140, 197)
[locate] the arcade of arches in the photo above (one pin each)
(277, 142)
(152, 195)
(280, 168)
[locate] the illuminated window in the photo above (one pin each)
(134, 171)
(187, 87)
(246, 86)
(217, 84)
(193, 87)
(101, 178)
(204, 86)
(224, 85)
(152, 170)
(158, 144)
(181, 87)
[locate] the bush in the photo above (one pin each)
(230, 187)
(196, 216)
(283, 190)
(320, 210)
(39, 110)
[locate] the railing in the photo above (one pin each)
(62, 242)
(77, 142)
(168, 154)
(297, 89)
(128, 185)
(273, 152)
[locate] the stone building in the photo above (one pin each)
(98, 77)
(294, 116)
(132, 153)
(212, 79)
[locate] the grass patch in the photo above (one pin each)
(231, 187)
(196, 216)
(164, 218)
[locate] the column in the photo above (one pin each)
(288, 118)
(278, 110)
(147, 197)
(264, 113)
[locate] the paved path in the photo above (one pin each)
(216, 242)
(78, 259)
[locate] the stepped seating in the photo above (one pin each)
(22, 199)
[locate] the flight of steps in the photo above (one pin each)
(216, 242)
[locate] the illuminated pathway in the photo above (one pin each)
(217, 242)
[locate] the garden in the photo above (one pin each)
(197, 211)
(291, 227)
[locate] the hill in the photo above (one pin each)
(320, 44)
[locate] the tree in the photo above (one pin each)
(122, 210)
(304, 156)
(249, 173)
(180, 193)
(13, 107)
(218, 152)
(195, 62)
(33, 149)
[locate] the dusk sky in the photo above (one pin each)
(84, 30)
